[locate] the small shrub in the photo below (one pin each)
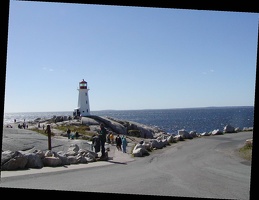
(134, 133)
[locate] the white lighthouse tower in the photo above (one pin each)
(83, 108)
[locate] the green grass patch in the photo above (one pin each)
(40, 131)
(83, 130)
(246, 152)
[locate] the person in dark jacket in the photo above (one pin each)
(118, 142)
(96, 143)
(68, 133)
(102, 135)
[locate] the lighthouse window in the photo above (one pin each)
(86, 102)
(85, 94)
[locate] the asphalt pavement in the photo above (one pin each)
(206, 167)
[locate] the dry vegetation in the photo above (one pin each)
(246, 151)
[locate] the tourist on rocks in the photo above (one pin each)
(102, 135)
(118, 142)
(68, 133)
(24, 125)
(76, 135)
(124, 144)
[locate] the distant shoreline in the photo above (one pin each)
(171, 120)
(146, 109)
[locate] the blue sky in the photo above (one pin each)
(132, 57)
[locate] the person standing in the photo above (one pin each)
(123, 144)
(108, 138)
(96, 143)
(103, 136)
(68, 133)
(48, 131)
(118, 142)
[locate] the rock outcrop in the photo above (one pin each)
(122, 126)
(20, 160)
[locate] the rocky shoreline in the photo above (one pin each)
(148, 139)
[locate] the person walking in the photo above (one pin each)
(102, 135)
(111, 138)
(124, 144)
(118, 142)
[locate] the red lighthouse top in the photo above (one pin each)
(83, 84)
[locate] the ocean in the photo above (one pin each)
(170, 120)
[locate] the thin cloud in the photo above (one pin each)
(210, 71)
(47, 69)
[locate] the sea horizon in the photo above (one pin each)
(145, 109)
(202, 119)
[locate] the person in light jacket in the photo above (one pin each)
(123, 143)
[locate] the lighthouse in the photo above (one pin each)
(83, 108)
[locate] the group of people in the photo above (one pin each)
(110, 138)
(24, 125)
(121, 143)
(72, 136)
(103, 136)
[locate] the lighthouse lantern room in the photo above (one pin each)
(83, 108)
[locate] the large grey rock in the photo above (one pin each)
(205, 133)
(185, 134)
(72, 150)
(170, 139)
(216, 132)
(83, 159)
(148, 146)
(73, 159)
(248, 129)
(7, 155)
(158, 144)
(108, 122)
(139, 150)
(89, 121)
(193, 134)
(34, 161)
(62, 156)
(120, 126)
(177, 138)
(16, 162)
(229, 129)
(145, 131)
(52, 161)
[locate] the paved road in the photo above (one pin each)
(204, 167)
